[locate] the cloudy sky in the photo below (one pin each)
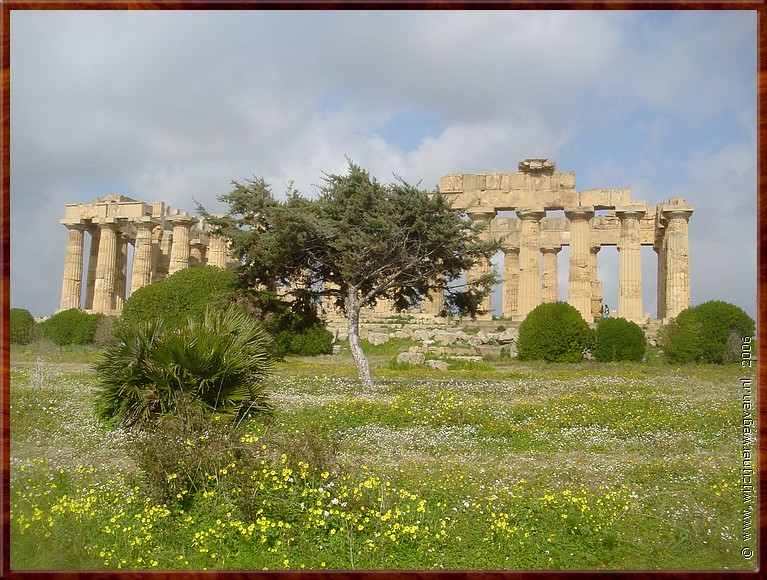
(175, 105)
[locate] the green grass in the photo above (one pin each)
(500, 465)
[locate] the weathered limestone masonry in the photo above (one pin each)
(629, 224)
(164, 241)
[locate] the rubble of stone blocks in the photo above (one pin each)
(441, 342)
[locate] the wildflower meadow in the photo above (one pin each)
(493, 465)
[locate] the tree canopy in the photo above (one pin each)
(359, 242)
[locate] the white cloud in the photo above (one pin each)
(174, 105)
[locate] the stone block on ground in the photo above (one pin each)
(437, 365)
(508, 335)
(489, 350)
(413, 358)
(376, 338)
(423, 334)
(446, 338)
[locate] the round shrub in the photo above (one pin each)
(22, 326)
(73, 326)
(183, 294)
(705, 333)
(554, 332)
(619, 339)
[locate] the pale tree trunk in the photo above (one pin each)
(353, 307)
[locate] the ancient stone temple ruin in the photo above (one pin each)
(519, 209)
(164, 241)
(531, 239)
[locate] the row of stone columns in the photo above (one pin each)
(525, 287)
(157, 253)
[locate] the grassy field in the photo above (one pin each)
(490, 465)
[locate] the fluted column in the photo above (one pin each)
(162, 241)
(179, 252)
(550, 276)
(677, 260)
(90, 280)
(482, 267)
(121, 271)
(529, 260)
(434, 301)
(71, 287)
(217, 251)
(106, 264)
(596, 285)
(659, 246)
(630, 248)
(510, 281)
(198, 251)
(141, 274)
(579, 276)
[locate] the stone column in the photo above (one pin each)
(659, 245)
(179, 252)
(529, 295)
(141, 274)
(384, 307)
(483, 267)
(596, 285)
(198, 250)
(162, 240)
(630, 248)
(677, 259)
(106, 268)
(579, 277)
(217, 251)
(434, 302)
(550, 277)
(71, 287)
(510, 281)
(332, 312)
(121, 271)
(93, 258)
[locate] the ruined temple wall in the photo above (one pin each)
(537, 188)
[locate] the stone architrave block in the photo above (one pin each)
(508, 336)
(474, 341)
(446, 338)
(377, 338)
(423, 334)
(489, 350)
(413, 358)
(437, 365)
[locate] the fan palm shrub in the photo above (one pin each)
(216, 365)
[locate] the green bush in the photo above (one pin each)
(296, 331)
(554, 332)
(181, 448)
(73, 326)
(709, 333)
(619, 339)
(312, 341)
(218, 364)
(22, 326)
(186, 293)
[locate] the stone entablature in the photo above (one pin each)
(165, 240)
(531, 238)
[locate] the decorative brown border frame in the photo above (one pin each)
(6, 6)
